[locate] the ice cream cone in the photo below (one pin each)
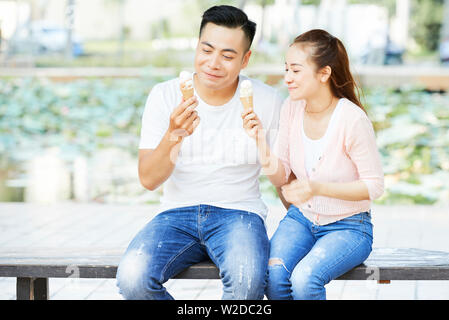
(187, 92)
(186, 85)
(246, 94)
(247, 102)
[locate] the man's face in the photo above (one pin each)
(220, 55)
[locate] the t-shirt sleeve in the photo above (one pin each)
(281, 146)
(272, 129)
(155, 119)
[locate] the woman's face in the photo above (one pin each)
(301, 76)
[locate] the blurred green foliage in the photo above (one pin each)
(81, 117)
(156, 58)
(425, 23)
(412, 127)
(78, 117)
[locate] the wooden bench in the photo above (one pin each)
(33, 268)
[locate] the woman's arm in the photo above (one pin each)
(361, 148)
(272, 167)
(281, 196)
(299, 191)
(351, 191)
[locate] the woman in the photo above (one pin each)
(327, 141)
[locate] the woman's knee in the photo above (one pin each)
(277, 271)
(278, 282)
(307, 285)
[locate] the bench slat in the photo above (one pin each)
(382, 264)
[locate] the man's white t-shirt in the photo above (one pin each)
(218, 164)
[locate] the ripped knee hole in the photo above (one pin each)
(275, 262)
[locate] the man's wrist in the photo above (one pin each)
(264, 152)
(261, 140)
(173, 138)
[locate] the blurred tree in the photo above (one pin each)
(445, 26)
(38, 9)
(426, 21)
(330, 16)
(70, 12)
(120, 4)
(241, 4)
(390, 5)
(205, 4)
(263, 4)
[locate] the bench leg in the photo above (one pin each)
(32, 289)
(383, 281)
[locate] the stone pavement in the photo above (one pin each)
(424, 227)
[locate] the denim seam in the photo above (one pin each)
(174, 258)
(214, 260)
(364, 221)
(198, 218)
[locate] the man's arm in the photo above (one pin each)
(156, 165)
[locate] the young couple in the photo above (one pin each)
(208, 153)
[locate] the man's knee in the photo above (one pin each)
(245, 280)
(133, 276)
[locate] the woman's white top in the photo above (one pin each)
(313, 149)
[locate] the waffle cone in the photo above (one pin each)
(187, 93)
(247, 102)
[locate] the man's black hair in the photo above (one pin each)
(230, 17)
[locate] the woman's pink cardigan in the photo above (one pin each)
(351, 154)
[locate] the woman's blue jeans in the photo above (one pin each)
(236, 241)
(304, 257)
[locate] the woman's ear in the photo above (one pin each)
(325, 74)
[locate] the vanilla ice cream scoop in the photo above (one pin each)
(246, 94)
(185, 78)
(246, 88)
(186, 84)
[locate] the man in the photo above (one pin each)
(211, 206)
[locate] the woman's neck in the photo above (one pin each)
(320, 104)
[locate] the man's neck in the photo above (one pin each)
(215, 97)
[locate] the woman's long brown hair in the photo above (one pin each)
(327, 50)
